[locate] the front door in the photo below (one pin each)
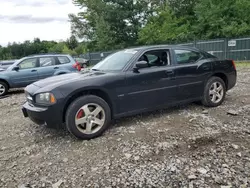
(152, 86)
(26, 74)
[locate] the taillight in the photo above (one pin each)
(234, 64)
(77, 66)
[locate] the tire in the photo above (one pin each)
(4, 88)
(84, 65)
(214, 92)
(81, 110)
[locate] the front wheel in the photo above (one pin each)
(88, 117)
(3, 88)
(214, 92)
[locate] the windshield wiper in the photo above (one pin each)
(95, 69)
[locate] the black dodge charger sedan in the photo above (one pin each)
(129, 82)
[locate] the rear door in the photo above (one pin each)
(26, 74)
(191, 71)
(47, 67)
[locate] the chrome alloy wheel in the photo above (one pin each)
(90, 118)
(2, 89)
(216, 92)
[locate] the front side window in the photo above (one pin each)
(46, 61)
(116, 61)
(156, 58)
(28, 63)
(186, 56)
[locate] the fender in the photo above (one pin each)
(78, 92)
(62, 72)
(6, 79)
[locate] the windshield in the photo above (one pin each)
(14, 64)
(116, 61)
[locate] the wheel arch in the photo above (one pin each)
(61, 72)
(5, 81)
(223, 76)
(93, 91)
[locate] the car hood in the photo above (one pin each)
(67, 78)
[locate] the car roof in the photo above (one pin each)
(161, 46)
(46, 55)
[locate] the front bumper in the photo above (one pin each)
(50, 116)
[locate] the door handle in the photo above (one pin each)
(169, 72)
(56, 68)
(34, 71)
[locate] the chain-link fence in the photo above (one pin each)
(237, 49)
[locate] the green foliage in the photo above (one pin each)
(81, 49)
(224, 18)
(112, 24)
(19, 50)
(164, 27)
(72, 42)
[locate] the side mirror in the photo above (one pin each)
(16, 68)
(140, 65)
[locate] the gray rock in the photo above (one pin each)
(239, 154)
(23, 186)
(202, 170)
(136, 158)
(65, 160)
(128, 155)
(57, 184)
(119, 139)
(205, 112)
(173, 169)
(235, 146)
(232, 112)
(192, 177)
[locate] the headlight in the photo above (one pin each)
(45, 98)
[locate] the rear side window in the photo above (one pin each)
(63, 59)
(208, 55)
(47, 61)
(186, 56)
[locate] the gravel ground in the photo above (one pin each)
(188, 146)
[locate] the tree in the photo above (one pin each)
(110, 24)
(72, 42)
(163, 28)
(58, 48)
(81, 49)
(225, 18)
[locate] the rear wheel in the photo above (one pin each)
(3, 88)
(88, 117)
(214, 92)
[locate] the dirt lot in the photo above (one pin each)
(188, 146)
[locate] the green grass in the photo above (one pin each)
(243, 64)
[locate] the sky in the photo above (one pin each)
(22, 20)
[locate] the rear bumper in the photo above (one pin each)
(232, 79)
(49, 116)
